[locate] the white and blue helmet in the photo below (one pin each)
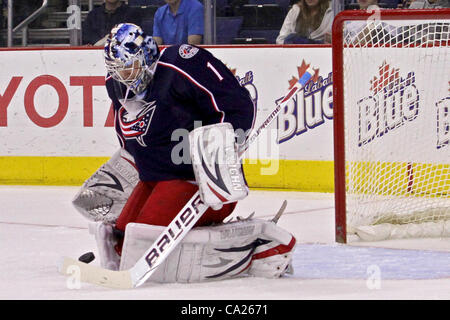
(128, 47)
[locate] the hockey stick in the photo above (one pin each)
(175, 231)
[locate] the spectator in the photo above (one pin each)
(404, 4)
(362, 31)
(425, 4)
(372, 31)
(368, 4)
(178, 22)
(102, 19)
(308, 21)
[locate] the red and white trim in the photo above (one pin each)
(280, 249)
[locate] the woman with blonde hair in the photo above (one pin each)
(308, 21)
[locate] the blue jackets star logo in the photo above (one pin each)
(137, 128)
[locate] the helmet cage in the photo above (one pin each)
(127, 48)
(117, 67)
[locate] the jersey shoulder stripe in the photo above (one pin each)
(189, 77)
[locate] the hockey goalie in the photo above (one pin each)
(141, 189)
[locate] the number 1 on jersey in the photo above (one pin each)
(209, 65)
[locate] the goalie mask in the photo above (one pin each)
(131, 56)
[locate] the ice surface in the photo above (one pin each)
(38, 225)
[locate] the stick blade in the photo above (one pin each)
(280, 211)
(96, 275)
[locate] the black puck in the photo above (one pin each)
(87, 257)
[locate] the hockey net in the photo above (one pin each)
(391, 78)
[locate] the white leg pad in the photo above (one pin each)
(109, 259)
(273, 259)
(251, 247)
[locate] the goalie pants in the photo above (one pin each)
(158, 203)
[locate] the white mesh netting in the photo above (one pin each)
(397, 127)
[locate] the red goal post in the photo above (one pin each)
(387, 80)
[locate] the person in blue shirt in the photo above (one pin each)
(178, 22)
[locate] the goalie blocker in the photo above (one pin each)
(217, 167)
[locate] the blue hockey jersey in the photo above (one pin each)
(189, 85)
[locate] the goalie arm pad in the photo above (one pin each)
(217, 168)
(103, 196)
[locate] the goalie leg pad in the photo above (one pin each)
(273, 260)
(215, 253)
(106, 242)
(103, 196)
